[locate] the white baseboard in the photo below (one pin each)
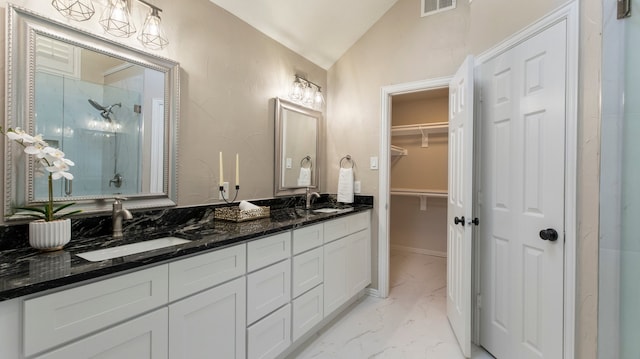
(418, 251)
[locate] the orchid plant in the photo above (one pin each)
(54, 163)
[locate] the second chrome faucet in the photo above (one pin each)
(309, 196)
(118, 214)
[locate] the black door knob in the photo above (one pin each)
(460, 220)
(476, 221)
(549, 234)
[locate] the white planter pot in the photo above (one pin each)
(49, 236)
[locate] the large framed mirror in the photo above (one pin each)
(111, 109)
(298, 140)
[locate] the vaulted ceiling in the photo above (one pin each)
(320, 31)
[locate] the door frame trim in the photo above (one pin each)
(570, 14)
(384, 175)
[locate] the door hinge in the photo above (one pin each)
(479, 301)
(624, 9)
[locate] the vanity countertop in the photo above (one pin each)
(25, 271)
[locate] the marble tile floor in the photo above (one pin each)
(410, 324)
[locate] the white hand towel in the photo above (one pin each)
(345, 185)
(245, 206)
(304, 179)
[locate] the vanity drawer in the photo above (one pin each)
(59, 317)
(268, 289)
(307, 312)
(308, 269)
(335, 229)
(268, 250)
(344, 226)
(204, 271)
(307, 238)
(359, 221)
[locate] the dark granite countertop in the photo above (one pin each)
(25, 271)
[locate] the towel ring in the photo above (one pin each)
(306, 159)
(348, 158)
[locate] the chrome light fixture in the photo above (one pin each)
(79, 10)
(306, 93)
(152, 35)
(116, 19)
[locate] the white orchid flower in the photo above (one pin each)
(37, 149)
(59, 169)
(19, 135)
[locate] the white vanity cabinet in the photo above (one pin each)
(253, 300)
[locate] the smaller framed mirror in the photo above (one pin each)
(298, 140)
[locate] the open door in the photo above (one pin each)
(460, 204)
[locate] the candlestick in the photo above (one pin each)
(237, 169)
(221, 176)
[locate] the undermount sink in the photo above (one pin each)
(333, 210)
(128, 249)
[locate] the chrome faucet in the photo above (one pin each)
(309, 195)
(118, 215)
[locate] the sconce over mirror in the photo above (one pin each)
(298, 140)
(112, 109)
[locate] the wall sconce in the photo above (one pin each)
(152, 35)
(116, 19)
(79, 10)
(303, 91)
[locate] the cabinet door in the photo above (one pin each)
(140, 338)
(268, 289)
(336, 290)
(359, 263)
(270, 336)
(210, 324)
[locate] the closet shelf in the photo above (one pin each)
(419, 192)
(398, 151)
(423, 129)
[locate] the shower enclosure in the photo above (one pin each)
(98, 125)
(619, 261)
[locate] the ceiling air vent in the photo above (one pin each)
(430, 7)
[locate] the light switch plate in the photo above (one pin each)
(288, 163)
(373, 163)
(225, 190)
(357, 187)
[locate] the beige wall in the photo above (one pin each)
(402, 47)
(229, 72)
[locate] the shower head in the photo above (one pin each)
(104, 111)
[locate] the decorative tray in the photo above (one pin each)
(235, 214)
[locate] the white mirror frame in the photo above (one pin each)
(22, 27)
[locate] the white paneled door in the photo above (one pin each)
(460, 204)
(522, 190)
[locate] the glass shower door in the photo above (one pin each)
(619, 267)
